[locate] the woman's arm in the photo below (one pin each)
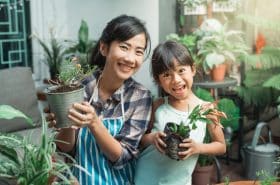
(68, 136)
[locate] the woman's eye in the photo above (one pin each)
(139, 53)
(124, 47)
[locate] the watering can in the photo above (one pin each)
(257, 157)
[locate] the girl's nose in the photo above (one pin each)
(176, 77)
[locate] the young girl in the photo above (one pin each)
(117, 109)
(173, 69)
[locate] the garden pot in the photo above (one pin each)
(260, 157)
(172, 140)
(202, 174)
(218, 72)
(247, 182)
(60, 102)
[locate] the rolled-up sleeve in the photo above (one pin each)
(138, 109)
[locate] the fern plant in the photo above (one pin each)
(264, 92)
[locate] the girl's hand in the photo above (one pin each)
(82, 114)
(191, 148)
(158, 142)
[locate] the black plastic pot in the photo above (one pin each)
(172, 140)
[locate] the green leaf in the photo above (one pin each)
(8, 112)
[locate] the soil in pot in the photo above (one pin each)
(175, 134)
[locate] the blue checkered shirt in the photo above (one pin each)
(137, 112)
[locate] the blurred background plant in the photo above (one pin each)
(82, 48)
(54, 51)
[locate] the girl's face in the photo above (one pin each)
(178, 81)
(124, 58)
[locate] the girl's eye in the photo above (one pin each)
(182, 70)
(165, 75)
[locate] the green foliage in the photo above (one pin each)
(83, 47)
(8, 112)
(232, 111)
(28, 163)
(221, 46)
(267, 179)
(71, 73)
(54, 52)
(265, 64)
(204, 94)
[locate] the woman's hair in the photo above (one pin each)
(121, 28)
(164, 55)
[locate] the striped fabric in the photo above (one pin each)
(91, 158)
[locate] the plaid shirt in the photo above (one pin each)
(137, 112)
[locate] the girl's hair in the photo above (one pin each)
(164, 55)
(121, 28)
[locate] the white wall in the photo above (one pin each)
(65, 16)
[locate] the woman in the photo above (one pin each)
(117, 109)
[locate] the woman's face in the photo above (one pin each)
(124, 58)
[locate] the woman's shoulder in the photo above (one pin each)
(132, 86)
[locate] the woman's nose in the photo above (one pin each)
(130, 57)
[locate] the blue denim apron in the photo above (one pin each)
(91, 158)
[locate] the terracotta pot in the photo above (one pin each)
(247, 183)
(202, 174)
(218, 72)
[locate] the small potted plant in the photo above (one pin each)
(194, 7)
(219, 47)
(67, 90)
(176, 133)
(25, 163)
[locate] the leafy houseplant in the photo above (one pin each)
(220, 46)
(66, 90)
(83, 47)
(27, 163)
(54, 53)
(176, 133)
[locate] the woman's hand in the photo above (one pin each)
(50, 117)
(191, 148)
(83, 114)
(158, 142)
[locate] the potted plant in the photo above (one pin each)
(66, 90)
(219, 47)
(205, 163)
(176, 133)
(83, 47)
(26, 163)
(54, 52)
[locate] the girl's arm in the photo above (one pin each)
(218, 144)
